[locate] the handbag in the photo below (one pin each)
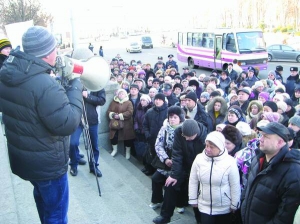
(148, 155)
(116, 124)
(156, 163)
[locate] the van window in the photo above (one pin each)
(146, 38)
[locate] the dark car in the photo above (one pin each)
(146, 42)
(283, 52)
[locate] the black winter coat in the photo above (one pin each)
(184, 152)
(272, 195)
(2, 59)
(39, 115)
(172, 100)
(93, 100)
(203, 117)
(153, 121)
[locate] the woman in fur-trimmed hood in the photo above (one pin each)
(217, 110)
(253, 110)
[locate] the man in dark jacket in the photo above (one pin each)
(272, 193)
(39, 115)
(91, 101)
(196, 111)
(292, 81)
(153, 121)
(189, 141)
(168, 92)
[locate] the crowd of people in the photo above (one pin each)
(226, 144)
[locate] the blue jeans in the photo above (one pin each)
(52, 199)
(74, 144)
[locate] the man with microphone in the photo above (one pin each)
(39, 115)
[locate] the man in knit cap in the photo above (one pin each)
(189, 141)
(195, 110)
(41, 115)
(5, 48)
(152, 123)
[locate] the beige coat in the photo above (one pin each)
(125, 110)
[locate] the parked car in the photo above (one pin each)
(282, 52)
(134, 47)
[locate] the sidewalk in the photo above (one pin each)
(126, 194)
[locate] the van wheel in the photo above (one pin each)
(191, 63)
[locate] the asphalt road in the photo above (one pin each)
(117, 46)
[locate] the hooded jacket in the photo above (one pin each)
(272, 195)
(39, 115)
(223, 111)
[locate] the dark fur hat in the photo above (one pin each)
(232, 134)
(176, 110)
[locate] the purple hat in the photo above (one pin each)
(264, 95)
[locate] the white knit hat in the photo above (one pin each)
(218, 139)
(244, 128)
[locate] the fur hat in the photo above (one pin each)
(295, 120)
(194, 82)
(160, 96)
(218, 139)
(282, 105)
(244, 128)
(271, 116)
(232, 134)
(146, 98)
(190, 127)
(272, 105)
(176, 110)
(178, 85)
(192, 95)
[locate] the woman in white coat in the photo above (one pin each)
(214, 184)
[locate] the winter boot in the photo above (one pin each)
(115, 150)
(127, 152)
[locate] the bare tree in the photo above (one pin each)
(13, 11)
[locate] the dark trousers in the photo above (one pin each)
(52, 199)
(215, 219)
(158, 183)
(171, 196)
(74, 143)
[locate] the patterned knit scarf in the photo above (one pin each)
(170, 137)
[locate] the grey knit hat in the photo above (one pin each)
(295, 120)
(38, 41)
(190, 127)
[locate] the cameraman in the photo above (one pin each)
(39, 115)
